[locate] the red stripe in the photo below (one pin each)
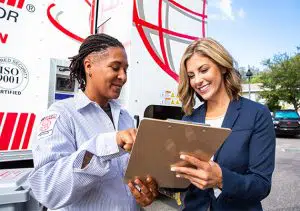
(161, 35)
(60, 27)
(148, 46)
(2, 1)
(142, 22)
(7, 130)
(1, 116)
(28, 132)
(88, 3)
(20, 4)
(203, 18)
(19, 131)
(187, 9)
(11, 2)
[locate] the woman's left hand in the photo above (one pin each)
(204, 175)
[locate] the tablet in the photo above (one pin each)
(158, 146)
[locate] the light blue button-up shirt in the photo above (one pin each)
(69, 129)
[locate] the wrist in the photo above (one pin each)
(119, 139)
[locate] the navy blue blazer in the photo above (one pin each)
(246, 158)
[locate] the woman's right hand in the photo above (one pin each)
(203, 174)
(126, 138)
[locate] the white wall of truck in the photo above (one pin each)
(32, 32)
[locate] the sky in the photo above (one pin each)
(255, 30)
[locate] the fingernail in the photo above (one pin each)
(182, 157)
(177, 175)
(173, 169)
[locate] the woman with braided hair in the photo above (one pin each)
(81, 152)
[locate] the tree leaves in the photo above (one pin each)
(281, 82)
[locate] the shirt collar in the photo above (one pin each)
(82, 101)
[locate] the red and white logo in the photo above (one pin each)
(142, 25)
(47, 125)
(14, 3)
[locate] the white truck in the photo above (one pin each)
(37, 37)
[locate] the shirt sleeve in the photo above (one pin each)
(57, 179)
(256, 183)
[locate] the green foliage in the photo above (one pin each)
(255, 71)
(256, 79)
(282, 80)
(272, 100)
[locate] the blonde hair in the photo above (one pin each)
(213, 50)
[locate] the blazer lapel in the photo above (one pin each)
(199, 114)
(202, 113)
(231, 115)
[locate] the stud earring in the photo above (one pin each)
(90, 75)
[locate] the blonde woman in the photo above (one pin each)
(239, 175)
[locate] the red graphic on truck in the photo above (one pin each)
(14, 3)
(15, 130)
(65, 30)
(3, 38)
(141, 24)
(10, 12)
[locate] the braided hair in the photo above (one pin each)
(93, 43)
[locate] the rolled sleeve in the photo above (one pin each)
(57, 179)
(106, 144)
(103, 147)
